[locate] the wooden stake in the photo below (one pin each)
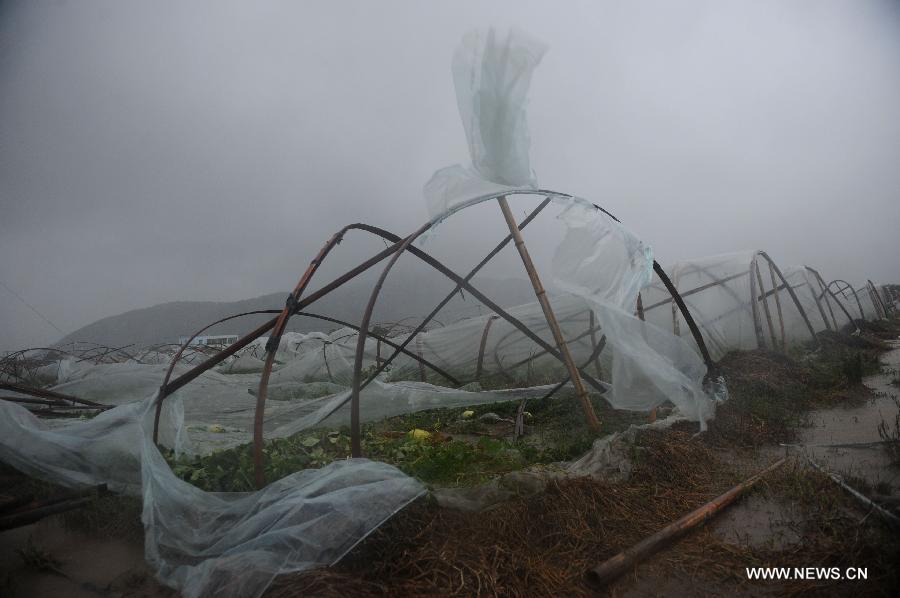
(611, 569)
(541, 295)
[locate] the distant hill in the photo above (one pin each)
(404, 296)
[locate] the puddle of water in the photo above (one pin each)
(858, 425)
(755, 522)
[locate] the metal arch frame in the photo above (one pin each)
(826, 290)
(863, 291)
(458, 288)
(11, 360)
(701, 288)
(591, 330)
(682, 307)
(160, 350)
(837, 282)
(888, 298)
(816, 297)
(876, 299)
(297, 302)
(96, 352)
(773, 271)
(758, 293)
(740, 304)
(52, 395)
(162, 396)
(406, 245)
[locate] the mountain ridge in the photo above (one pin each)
(403, 299)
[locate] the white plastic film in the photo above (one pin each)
(492, 75)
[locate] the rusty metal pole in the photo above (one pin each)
(541, 295)
(778, 306)
(765, 301)
(272, 348)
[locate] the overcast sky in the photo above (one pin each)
(160, 151)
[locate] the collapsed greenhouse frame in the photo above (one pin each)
(233, 545)
(757, 295)
(777, 308)
(768, 321)
(296, 303)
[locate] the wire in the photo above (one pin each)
(31, 307)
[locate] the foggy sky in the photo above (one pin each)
(161, 151)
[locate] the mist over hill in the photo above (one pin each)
(404, 298)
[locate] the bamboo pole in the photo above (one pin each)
(613, 568)
(541, 295)
(865, 501)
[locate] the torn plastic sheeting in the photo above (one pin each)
(237, 544)
(491, 76)
(604, 266)
(598, 260)
(204, 543)
(603, 263)
(719, 289)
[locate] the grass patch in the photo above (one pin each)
(886, 329)
(889, 431)
(459, 451)
(769, 397)
(835, 533)
(543, 544)
(37, 558)
(536, 545)
(771, 394)
(435, 460)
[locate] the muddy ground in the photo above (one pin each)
(542, 543)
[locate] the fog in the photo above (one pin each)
(162, 151)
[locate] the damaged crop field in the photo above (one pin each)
(510, 396)
(539, 533)
(542, 543)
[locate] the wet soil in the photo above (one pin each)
(88, 566)
(827, 441)
(841, 440)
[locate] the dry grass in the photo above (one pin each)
(888, 329)
(540, 545)
(543, 544)
(769, 395)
